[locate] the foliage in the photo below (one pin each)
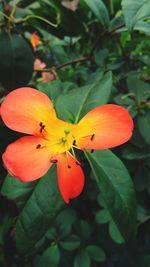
(95, 52)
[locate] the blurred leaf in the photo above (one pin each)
(132, 152)
(50, 257)
(115, 234)
(116, 188)
(100, 11)
(82, 259)
(72, 5)
(135, 11)
(139, 88)
(38, 213)
(141, 213)
(144, 126)
(102, 216)
(143, 26)
(76, 103)
(72, 242)
(83, 229)
(96, 253)
(64, 222)
(17, 191)
(17, 59)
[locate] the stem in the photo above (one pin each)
(5, 16)
(36, 17)
(71, 62)
(111, 7)
(116, 28)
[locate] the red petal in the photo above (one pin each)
(104, 127)
(70, 177)
(27, 158)
(24, 108)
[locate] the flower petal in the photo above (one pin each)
(104, 127)
(25, 108)
(28, 158)
(70, 177)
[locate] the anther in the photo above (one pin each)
(69, 167)
(38, 146)
(74, 143)
(92, 137)
(42, 126)
(53, 160)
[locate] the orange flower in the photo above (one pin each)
(51, 140)
(38, 64)
(35, 40)
(48, 76)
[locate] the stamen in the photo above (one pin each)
(38, 146)
(92, 137)
(76, 147)
(73, 152)
(68, 153)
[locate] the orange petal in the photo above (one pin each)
(35, 40)
(25, 108)
(104, 127)
(27, 158)
(70, 177)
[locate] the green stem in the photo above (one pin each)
(111, 7)
(37, 17)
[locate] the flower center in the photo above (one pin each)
(61, 141)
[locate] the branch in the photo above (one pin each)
(71, 62)
(86, 58)
(116, 28)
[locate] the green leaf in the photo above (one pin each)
(144, 126)
(117, 190)
(83, 229)
(100, 11)
(17, 191)
(96, 253)
(55, 88)
(64, 222)
(38, 213)
(115, 234)
(82, 259)
(102, 216)
(139, 88)
(50, 257)
(16, 59)
(132, 152)
(143, 26)
(71, 243)
(135, 11)
(76, 103)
